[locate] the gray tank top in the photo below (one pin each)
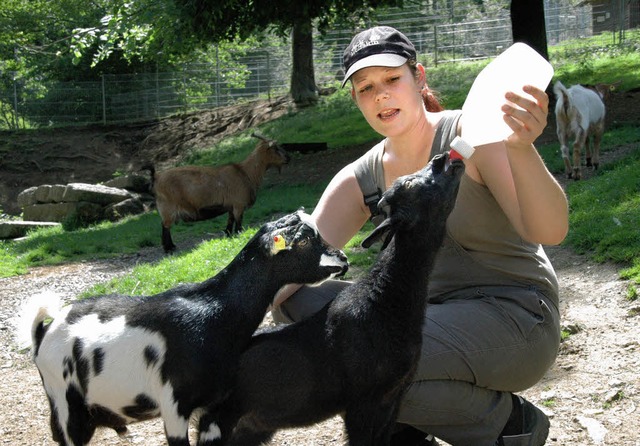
(482, 248)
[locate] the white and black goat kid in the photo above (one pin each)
(113, 360)
(358, 354)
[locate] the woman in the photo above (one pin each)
(492, 323)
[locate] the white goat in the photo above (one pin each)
(113, 360)
(580, 114)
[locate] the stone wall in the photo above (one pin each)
(90, 203)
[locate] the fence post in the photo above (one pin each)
(104, 102)
(621, 24)
(157, 92)
(268, 77)
(435, 45)
(217, 102)
(16, 120)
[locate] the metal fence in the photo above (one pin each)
(442, 34)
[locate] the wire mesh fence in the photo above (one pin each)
(443, 32)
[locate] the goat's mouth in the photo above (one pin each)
(455, 167)
(343, 271)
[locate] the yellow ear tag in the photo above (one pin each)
(278, 243)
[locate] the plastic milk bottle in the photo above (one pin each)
(481, 119)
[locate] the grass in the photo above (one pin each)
(582, 61)
(335, 120)
(605, 210)
(194, 266)
(605, 217)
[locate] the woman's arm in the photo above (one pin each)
(517, 176)
(339, 215)
(341, 211)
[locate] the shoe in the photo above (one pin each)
(527, 425)
(406, 435)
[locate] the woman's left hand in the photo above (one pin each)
(529, 118)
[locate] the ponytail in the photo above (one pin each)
(429, 96)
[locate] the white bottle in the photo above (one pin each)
(482, 118)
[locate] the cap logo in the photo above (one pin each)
(374, 39)
(363, 44)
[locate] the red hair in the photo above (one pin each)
(428, 95)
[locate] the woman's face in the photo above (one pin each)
(389, 98)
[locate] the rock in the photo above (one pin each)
(594, 428)
(116, 211)
(131, 182)
(94, 193)
(87, 203)
(27, 197)
(613, 395)
(59, 212)
(14, 228)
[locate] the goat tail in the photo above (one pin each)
(32, 316)
(562, 95)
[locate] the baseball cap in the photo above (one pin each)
(380, 46)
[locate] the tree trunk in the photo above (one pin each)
(528, 26)
(303, 83)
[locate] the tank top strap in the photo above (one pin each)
(369, 171)
(364, 169)
(446, 131)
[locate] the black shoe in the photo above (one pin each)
(406, 435)
(527, 425)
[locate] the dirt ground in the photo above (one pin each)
(592, 393)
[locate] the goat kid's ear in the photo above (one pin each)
(382, 230)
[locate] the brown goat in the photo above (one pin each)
(194, 193)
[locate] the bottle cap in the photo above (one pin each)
(462, 147)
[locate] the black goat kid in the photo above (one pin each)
(358, 354)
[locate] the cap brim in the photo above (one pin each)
(375, 60)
